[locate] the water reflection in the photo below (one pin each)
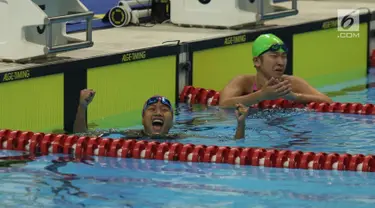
(295, 129)
(82, 182)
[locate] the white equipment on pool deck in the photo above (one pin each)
(122, 14)
(225, 13)
(36, 28)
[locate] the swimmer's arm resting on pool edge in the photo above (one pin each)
(288, 87)
(236, 91)
(304, 93)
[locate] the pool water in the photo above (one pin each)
(60, 181)
(289, 129)
(64, 181)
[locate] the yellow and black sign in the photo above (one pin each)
(125, 87)
(133, 56)
(223, 63)
(41, 98)
(342, 59)
(329, 24)
(118, 17)
(33, 104)
(125, 80)
(45, 98)
(16, 75)
(235, 39)
(29, 73)
(227, 57)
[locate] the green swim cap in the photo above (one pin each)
(264, 42)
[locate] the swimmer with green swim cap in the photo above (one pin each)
(269, 83)
(268, 42)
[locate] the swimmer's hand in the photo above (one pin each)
(87, 95)
(274, 88)
(291, 95)
(241, 113)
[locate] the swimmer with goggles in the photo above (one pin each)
(157, 118)
(269, 83)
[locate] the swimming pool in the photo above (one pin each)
(60, 180)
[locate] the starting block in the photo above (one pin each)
(36, 28)
(225, 13)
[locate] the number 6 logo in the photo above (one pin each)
(345, 19)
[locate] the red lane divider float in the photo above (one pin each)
(130, 148)
(159, 165)
(194, 95)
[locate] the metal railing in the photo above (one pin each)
(278, 14)
(70, 46)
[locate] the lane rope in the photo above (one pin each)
(156, 166)
(130, 148)
(196, 95)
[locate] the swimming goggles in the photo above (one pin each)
(156, 99)
(275, 48)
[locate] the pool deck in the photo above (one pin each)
(117, 40)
